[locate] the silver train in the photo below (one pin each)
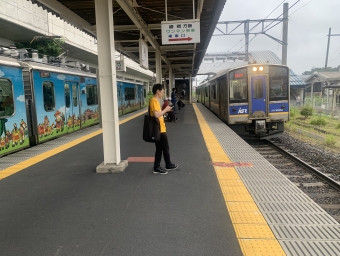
(252, 99)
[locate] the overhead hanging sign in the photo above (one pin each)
(143, 54)
(120, 65)
(180, 31)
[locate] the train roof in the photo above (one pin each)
(6, 61)
(237, 58)
(240, 64)
(57, 69)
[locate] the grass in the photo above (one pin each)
(320, 121)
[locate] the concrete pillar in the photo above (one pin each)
(148, 88)
(311, 94)
(108, 89)
(171, 81)
(158, 68)
(190, 89)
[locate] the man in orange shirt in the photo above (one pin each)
(162, 146)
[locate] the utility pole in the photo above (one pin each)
(246, 32)
(263, 31)
(285, 34)
(329, 40)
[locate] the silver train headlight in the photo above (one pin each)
(261, 68)
(254, 69)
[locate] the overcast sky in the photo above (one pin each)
(307, 30)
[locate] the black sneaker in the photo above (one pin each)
(171, 167)
(159, 170)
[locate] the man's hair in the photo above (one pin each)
(157, 87)
(173, 89)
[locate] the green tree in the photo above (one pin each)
(50, 47)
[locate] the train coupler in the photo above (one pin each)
(260, 127)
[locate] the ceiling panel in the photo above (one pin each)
(152, 13)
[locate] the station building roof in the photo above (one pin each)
(330, 79)
(185, 59)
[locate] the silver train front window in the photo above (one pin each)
(238, 85)
(278, 83)
(258, 89)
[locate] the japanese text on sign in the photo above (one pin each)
(180, 32)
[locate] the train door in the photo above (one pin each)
(72, 103)
(141, 94)
(120, 99)
(209, 96)
(258, 95)
(222, 98)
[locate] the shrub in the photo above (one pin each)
(318, 121)
(306, 111)
(293, 111)
(330, 141)
(338, 126)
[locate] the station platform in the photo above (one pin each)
(224, 199)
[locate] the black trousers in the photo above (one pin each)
(162, 147)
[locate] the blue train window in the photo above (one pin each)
(48, 96)
(6, 98)
(130, 93)
(67, 95)
(91, 94)
(74, 95)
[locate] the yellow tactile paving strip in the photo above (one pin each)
(36, 159)
(252, 231)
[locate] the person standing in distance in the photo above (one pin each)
(173, 98)
(298, 100)
(162, 146)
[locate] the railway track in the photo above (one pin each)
(319, 186)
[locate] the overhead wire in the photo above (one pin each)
(267, 15)
(300, 7)
(242, 39)
(272, 22)
(330, 59)
(279, 17)
(263, 28)
(256, 26)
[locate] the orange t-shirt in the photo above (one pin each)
(155, 106)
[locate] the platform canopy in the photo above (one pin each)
(133, 18)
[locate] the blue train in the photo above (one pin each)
(39, 101)
(252, 99)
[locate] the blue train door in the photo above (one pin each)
(258, 94)
(72, 103)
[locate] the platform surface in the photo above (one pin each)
(225, 199)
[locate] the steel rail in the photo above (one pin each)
(328, 180)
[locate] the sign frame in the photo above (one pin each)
(143, 54)
(120, 65)
(181, 31)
